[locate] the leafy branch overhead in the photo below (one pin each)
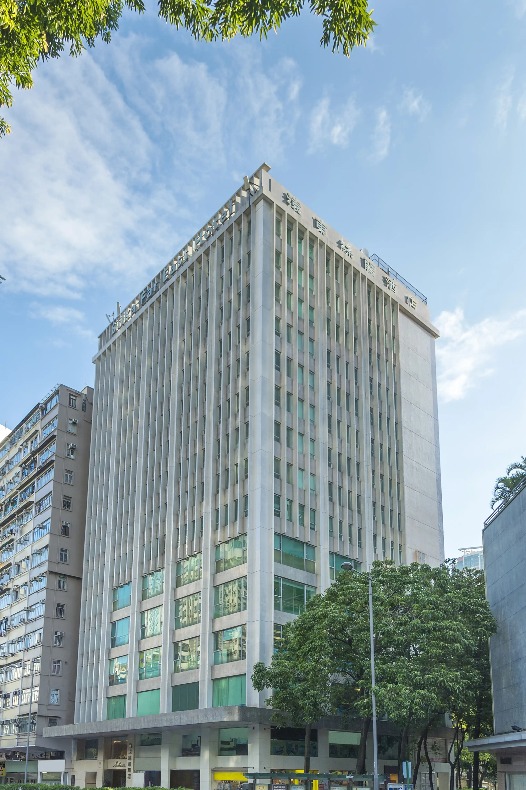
(506, 485)
(42, 29)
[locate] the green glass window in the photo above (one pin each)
(118, 670)
(120, 632)
(91, 749)
(150, 739)
(335, 564)
(290, 596)
(189, 570)
(190, 744)
(188, 610)
(116, 707)
(230, 597)
(229, 691)
(294, 553)
(233, 740)
(278, 636)
(344, 744)
(230, 644)
(121, 596)
(152, 584)
(231, 553)
(150, 663)
(186, 654)
(149, 702)
(152, 622)
(185, 697)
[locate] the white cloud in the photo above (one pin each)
(503, 102)
(413, 103)
(519, 7)
(381, 141)
(64, 316)
(332, 126)
(109, 165)
(466, 353)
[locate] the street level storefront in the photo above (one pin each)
(219, 749)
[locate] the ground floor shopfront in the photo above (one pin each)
(213, 749)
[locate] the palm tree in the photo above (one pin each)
(504, 487)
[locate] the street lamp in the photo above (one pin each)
(348, 566)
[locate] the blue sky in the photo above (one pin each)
(413, 147)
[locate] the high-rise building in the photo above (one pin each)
(43, 488)
(472, 557)
(265, 410)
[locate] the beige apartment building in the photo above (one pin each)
(43, 487)
(265, 410)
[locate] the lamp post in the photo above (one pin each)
(348, 566)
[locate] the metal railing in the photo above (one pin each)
(393, 273)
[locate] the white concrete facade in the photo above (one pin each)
(265, 410)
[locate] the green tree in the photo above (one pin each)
(429, 626)
(504, 487)
(42, 29)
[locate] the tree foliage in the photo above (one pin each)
(431, 626)
(34, 30)
(505, 486)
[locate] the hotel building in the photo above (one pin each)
(265, 410)
(43, 487)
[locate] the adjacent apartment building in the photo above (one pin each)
(43, 487)
(265, 410)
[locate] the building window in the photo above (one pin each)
(335, 564)
(290, 596)
(116, 707)
(231, 553)
(118, 670)
(188, 610)
(120, 632)
(91, 749)
(152, 584)
(294, 553)
(68, 476)
(63, 555)
(58, 639)
(66, 503)
(187, 654)
(230, 644)
(232, 741)
(277, 505)
(121, 596)
(230, 597)
(189, 570)
(52, 721)
(72, 426)
(151, 622)
(149, 702)
(185, 697)
(229, 691)
(60, 611)
(72, 401)
(54, 697)
(62, 583)
(71, 450)
(56, 666)
(64, 529)
(150, 663)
